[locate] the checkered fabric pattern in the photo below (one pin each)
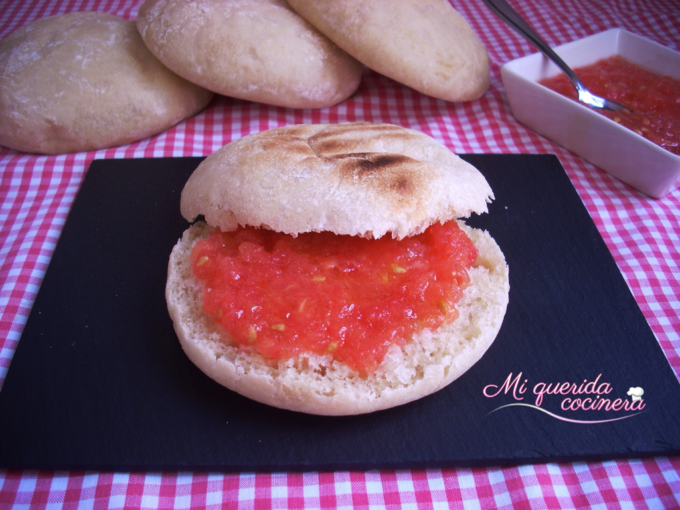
(36, 193)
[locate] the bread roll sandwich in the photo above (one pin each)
(424, 44)
(329, 272)
(84, 81)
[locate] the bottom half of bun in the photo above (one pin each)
(320, 385)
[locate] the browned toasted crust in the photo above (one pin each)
(361, 179)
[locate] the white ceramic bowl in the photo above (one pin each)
(608, 145)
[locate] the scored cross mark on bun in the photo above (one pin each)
(377, 182)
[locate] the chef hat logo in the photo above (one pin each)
(635, 393)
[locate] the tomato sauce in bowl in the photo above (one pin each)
(345, 296)
(654, 99)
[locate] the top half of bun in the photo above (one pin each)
(360, 179)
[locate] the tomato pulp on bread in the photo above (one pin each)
(654, 99)
(330, 294)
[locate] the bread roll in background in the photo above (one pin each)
(85, 81)
(257, 50)
(392, 181)
(425, 44)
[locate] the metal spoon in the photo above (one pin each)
(504, 11)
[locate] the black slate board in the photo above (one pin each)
(99, 381)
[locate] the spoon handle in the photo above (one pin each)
(504, 10)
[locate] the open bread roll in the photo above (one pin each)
(85, 81)
(425, 44)
(296, 179)
(259, 50)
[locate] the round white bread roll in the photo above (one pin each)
(86, 81)
(279, 170)
(425, 44)
(360, 179)
(258, 50)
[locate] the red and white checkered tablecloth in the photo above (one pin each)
(643, 234)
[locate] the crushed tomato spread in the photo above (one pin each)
(654, 99)
(329, 294)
